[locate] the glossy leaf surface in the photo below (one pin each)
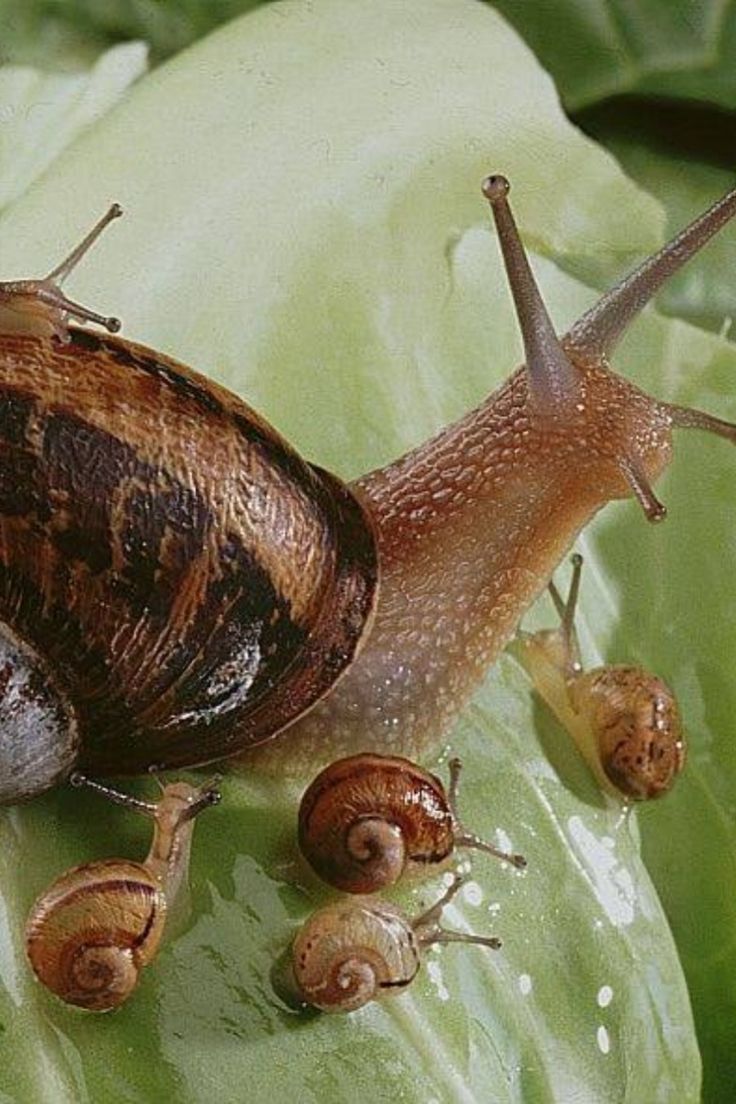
(327, 253)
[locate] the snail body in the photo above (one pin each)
(89, 934)
(367, 817)
(624, 719)
(191, 587)
(361, 949)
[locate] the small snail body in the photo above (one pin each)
(624, 719)
(361, 949)
(366, 817)
(189, 586)
(92, 931)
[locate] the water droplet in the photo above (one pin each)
(605, 996)
(434, 969)
(473, 893)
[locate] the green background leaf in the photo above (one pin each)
(42, 113)
(327, 254)
(594, 49)
(682, 157)
(600, 48)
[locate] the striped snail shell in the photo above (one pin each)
(364, 817)
(91, 932)
(353, 952)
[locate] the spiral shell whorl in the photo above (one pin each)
(90, 933)
(101, 977)
(364, 817)
(352, 952)
(378, 846)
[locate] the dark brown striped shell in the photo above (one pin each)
(91, 932)
(353, 952)
(193, 585)
(364, 817)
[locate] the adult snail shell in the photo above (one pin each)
(178, 586)
(92, 931)
(366, 817)
(175, 582)
(624, 719)
(361, 949)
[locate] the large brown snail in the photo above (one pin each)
(178, 586)
(624, 719)
(91, 931)
(362, 948)
(366, 818)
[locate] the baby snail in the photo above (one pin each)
(177, 585)
(90, 933)
(361, 949)
(624, 720)
(366, 817)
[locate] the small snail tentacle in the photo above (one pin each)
(566, 610)
(40, 306)
(147, 808)
(463, 838)
(90, 933)
(429, 930)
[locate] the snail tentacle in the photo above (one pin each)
(463, 838)
(429, 929)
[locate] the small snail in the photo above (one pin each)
(178, 586)
(90, 933)
(624, 720)
(361, 949)
(364, 818)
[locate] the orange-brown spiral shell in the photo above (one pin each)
(353, 952)
(364, 817)
(90, 933)
(637, 723)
